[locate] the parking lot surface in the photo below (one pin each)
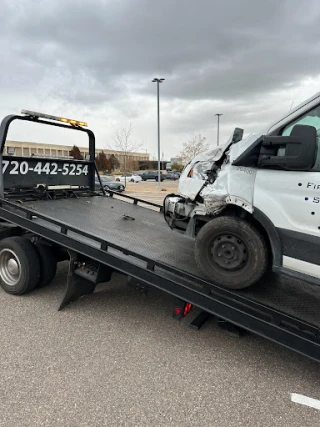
(150, 190)
(118, 358)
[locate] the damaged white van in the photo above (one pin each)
(255, 202)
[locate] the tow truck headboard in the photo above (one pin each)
(17, 172)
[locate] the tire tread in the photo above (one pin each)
(232, 224)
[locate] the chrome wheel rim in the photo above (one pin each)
(10, 267)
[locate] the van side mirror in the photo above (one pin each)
(299, 150)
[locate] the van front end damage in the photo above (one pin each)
(177, 211)
(202, 193)
(207, 185)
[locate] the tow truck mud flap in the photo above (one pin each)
(76, 288)
(83, 277)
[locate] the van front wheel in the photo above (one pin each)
(231, 252)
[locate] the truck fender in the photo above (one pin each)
(273, 235)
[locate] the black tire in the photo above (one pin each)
(117, 179)
(231, 252)
(17, 253)
(61, 254)
(48, 264)
(131, 180)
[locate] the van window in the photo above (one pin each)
(312, 118)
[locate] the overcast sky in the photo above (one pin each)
(94, 60)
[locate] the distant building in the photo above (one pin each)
(174, 160)
(28, 149)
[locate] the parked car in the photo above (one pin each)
(172, 176)
(109, 184)
(152, 175)
(177, 173)
(129, 177)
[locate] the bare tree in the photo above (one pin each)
(194, 147)
(132, 165)
(177, 167)
(122, 141)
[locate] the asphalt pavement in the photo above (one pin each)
(119, 358)
(150, 190)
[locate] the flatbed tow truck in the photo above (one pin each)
(50, 211)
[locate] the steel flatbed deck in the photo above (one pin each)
(135, 240)
(116, 233)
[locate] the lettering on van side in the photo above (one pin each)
(313, 186)
(246, 170)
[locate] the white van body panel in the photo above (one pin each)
(290, 200)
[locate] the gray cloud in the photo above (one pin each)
(224, 53)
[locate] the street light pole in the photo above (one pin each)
(218, 115)
(158, 81)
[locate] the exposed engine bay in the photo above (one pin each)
(207, 185)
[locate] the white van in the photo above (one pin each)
(255, 202)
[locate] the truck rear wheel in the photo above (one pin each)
(231, 252)
(48, 264)
(19, 265)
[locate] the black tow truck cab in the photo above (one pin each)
(50, 211)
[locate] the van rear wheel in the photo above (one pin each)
(231, 252)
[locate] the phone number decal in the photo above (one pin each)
(17, 168)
